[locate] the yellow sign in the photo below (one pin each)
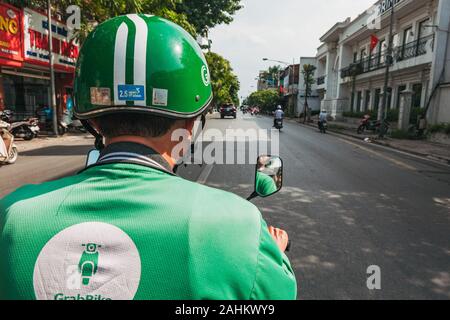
(8, 25)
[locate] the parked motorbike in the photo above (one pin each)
(377, 126)
(8, 150)
(26, 129)
(323, 126)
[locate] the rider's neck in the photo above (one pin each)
(164, 145)
(160, 145)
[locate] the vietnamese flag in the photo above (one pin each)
(373, 42)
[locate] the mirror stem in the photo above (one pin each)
(252, 196)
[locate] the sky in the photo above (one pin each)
(280, 30)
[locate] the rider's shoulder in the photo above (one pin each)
(31, 194)
(221, 201)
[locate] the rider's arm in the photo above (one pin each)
(275, 279)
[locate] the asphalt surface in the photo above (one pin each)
(346, 205)
(45, 159)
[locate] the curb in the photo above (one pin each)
(427, 156)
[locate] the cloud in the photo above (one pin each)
(281, 30)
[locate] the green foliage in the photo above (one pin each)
(266, 100)
(440, 128)
(308, 76)
(193, 15)
(206, 14)
(224, 82)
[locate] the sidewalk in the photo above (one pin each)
(47, 141)
(423, 148)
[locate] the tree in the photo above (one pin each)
(308, 77)
(206, 14)
(195, 16)
(224, 82)
(266, 100)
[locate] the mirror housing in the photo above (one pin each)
(268, 176)
(92, 157)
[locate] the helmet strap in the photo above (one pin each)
(99, 145)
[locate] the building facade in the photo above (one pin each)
(313, 100)
(290, 88)
(351, 65)
(24, 60)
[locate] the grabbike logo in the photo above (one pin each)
(88, 261)
(229, 146)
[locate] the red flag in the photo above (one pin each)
(373, 42)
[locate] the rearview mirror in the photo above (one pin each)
(92, 157)
(269, 175)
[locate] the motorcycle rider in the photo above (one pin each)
(323, 118)
(156, 235)
(278, 115)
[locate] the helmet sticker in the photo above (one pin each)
(88, 261)
(101, 96)
(205, 75)
(160, 97)
(131, 92)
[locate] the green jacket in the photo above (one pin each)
(130, 231)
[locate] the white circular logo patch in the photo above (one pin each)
(88, 261)
(205, 76)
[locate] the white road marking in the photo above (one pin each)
(205, 174)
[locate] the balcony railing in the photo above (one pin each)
(379, 61)
(321, 80)
(414, 49)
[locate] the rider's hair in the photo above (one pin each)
(133, 124)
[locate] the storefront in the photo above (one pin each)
(25, 78)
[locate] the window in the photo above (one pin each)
(363, 53)
(367, 101)
(417, 95)
(358, 101)
(355, 56)
(381, 51)
(389, 99)
(376, 100)
(424, 30)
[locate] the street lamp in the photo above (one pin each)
(290, 66)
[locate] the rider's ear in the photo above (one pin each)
(189, 124)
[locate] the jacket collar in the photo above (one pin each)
(134, 153)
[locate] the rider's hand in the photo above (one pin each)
(281, 238)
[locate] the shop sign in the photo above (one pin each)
(11, 52)
(65, 48)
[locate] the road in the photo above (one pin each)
(346, 205)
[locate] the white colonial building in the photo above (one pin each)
(351, 77)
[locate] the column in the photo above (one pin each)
(380, 105)
(405, 109)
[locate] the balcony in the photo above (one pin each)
(414, 49)
(375, 62)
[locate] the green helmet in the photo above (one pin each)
(141, 63)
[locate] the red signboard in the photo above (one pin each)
(11, 49)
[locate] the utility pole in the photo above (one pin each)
(388, 60)
(52, 71)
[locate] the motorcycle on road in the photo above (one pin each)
(278, 124)
(323, 126)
